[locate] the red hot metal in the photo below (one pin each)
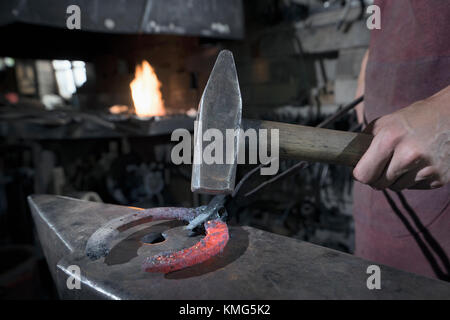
(214, 242)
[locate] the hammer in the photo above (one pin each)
(220, 108)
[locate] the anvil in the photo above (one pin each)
(254, 265)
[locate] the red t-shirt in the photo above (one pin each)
(409, 60)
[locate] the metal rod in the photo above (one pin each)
(340, 113)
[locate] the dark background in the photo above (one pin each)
(297, 61)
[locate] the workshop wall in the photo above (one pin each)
(297, 62)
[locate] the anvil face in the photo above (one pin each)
(254, 264)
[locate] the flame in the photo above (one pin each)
(145, 91)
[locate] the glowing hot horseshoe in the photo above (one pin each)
(214, 242)
(99, 244)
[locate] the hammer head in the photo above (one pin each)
(220, 108)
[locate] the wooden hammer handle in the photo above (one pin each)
(315, 144)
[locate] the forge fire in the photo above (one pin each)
(146, 93)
